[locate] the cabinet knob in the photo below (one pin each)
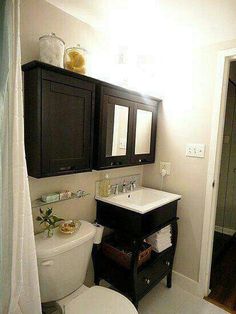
(147, 281)
(167, 263)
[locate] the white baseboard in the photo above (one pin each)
(224, 230)
(187, 284)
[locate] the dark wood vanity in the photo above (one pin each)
(75, 123)
(136, 281)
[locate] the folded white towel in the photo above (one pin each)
(160, 240)
(156, 236)
(160, 237)
(159, 244)
(161, 249)
(164, 231)
(167, 228)
(161, 233)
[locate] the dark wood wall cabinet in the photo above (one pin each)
(126, 124)
(74, 123)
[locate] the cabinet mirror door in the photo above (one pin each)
(143, 132)
(116, 133)
(144, 138)
(117, 130)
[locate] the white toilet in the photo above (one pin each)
(62, 266)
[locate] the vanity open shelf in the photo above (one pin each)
(128, 220)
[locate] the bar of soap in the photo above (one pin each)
(65, 195)
(53, 197)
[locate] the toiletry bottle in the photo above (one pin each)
(104, 187)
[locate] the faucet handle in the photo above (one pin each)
(133, 184)
(115, 187)
(124, 186)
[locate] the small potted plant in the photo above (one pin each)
(49, 219)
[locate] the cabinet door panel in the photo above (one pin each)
(66, 128)
(116, 132)
(144, 134)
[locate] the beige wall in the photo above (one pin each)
(37, 18)
(185, 117)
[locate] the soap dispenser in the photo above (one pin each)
(105, 187)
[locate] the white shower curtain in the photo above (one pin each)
(19, 287)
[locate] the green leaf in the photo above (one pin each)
(39, 218)
(50, 221)
(56, 219)
(49, 211)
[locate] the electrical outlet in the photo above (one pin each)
(166, 166)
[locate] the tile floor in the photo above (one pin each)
(161, 300)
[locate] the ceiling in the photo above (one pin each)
(207, 21)
(96, 13)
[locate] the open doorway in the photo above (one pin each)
(223, 269)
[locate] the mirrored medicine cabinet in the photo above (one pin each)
(127, 128)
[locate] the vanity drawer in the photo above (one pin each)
(149, 276)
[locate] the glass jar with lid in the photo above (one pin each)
(75, 59)
(51, 49)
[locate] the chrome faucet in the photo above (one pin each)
(124, 187)
(132, 185)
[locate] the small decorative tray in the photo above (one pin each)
(69, 226)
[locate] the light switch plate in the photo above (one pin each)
(166, 166)
(195, 150)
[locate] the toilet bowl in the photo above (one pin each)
(62, 265)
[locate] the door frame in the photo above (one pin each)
(215, 149)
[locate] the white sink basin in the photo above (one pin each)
(141, 200)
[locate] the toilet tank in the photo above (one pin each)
(63, 261)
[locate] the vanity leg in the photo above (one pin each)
(96, 280)
(169, 279)
(136, 246)
(135, 302)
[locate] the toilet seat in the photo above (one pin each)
(100, 300)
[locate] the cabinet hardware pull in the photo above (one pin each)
(67, 168)
(147, 281)
(167, 263)
(142, 160)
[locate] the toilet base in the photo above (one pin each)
(51, 308)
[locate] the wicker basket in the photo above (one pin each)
(122, 256)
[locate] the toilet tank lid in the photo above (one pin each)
(59, 242)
